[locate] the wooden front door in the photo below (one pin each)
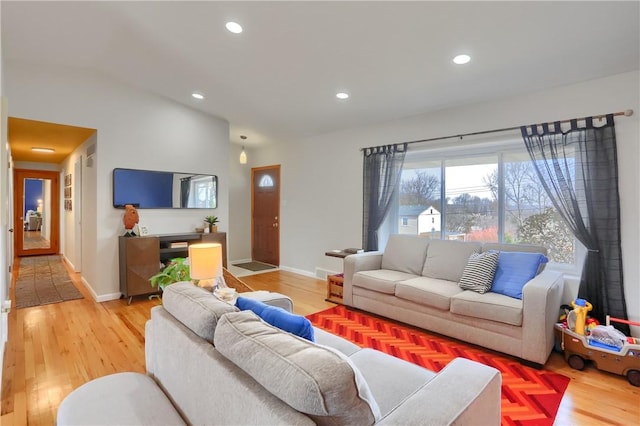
(265, 214)
(36, 212)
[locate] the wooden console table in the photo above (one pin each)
(140, 258)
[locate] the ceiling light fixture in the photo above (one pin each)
(234, 27)
(198, 96)
(461, 59)
(243, 154)
(342, 95)
(43, 150)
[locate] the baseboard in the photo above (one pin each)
(66, 259)
(102, 297)
(108, 297)
(309, 274)
(298, 271)
(322, 273)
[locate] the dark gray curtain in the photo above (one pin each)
(579, 171)
(185, 189)
(382, 168)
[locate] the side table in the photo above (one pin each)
(334, 288)
(336, 281)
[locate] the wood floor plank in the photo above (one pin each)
(53, 349)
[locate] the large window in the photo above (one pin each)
(486, 192)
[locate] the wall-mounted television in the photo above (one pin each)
(148, 189)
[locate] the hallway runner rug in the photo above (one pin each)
(529, 396)
(43, 280)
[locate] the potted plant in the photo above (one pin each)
(177, 270)
(212, 220)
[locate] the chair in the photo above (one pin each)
(32, 221)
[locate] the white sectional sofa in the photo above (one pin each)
(416, 281)
(210, 364)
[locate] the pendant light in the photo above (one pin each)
(243, 154)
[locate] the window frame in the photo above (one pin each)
(481, 147)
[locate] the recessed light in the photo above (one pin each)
(342, 95)
(461, 59)
(197, 95)
(234, 27)
(44, 150)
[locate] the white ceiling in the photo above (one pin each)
(277, 80)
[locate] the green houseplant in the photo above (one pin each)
(176, 270)
(212, 220)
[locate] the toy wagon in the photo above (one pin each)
(624, 361)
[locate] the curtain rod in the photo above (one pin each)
(626, 113)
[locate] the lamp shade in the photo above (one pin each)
(243, 156)
(205, 261)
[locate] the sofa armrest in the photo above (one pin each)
(270, 298)
(541, 297)
(464, 392)
(358, 262)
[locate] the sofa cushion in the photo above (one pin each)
(195, 307)
(479, 272)
(489, 306)
(514, 270)
(405, 253)
(446, 259)
(428, 291)
(380, 280)
(312, 379)
(278, 317)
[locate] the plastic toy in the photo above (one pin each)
(607, 351)
(581, 307)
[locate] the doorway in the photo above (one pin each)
(36, 212)
(265, 214)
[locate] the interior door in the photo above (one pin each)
(36, 212)
(265, 214)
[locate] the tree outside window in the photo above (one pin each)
(471, 208)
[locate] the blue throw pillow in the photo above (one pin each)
(514, 270)
(278, 317)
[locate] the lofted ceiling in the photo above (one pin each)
(277, 80)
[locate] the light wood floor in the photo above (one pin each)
(55, 348)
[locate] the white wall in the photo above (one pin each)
(322, 176)
(239, 238)
(6, 243)
(135, 130)
(70, 230)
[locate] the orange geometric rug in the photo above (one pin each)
(529, 396)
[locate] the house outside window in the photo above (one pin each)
(405, 221)
(486, 192)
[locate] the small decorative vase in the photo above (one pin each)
(213, 228)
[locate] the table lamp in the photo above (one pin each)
(205, 263)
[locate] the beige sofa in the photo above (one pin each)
(209, 364)
(416, 281)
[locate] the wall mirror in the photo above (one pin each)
(148, 189)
